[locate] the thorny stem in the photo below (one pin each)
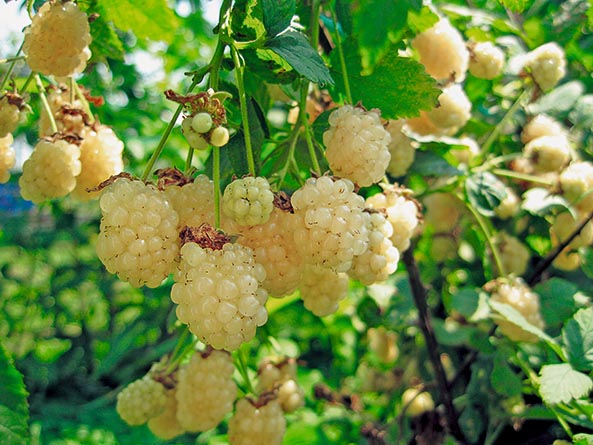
(549, 259)
(46, 107)
(508, 115)
(10, 68)
(342, 57)
(420, 295)
(489, 239)
(244, 111)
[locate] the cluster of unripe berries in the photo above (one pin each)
(201, 393)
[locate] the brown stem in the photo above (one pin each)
(536, 276)
(420, 295)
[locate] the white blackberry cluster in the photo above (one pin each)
(138, 234)
(402, 148)
(166, 425)
(357, 145)
(442, 51)
(322, 289)
(402, 213)
(193, 201)
(57, 42)
(226, 286)
(509, 206)
(564, 225)
(9, 116)
(514, 255)
(383, 344)
(334, 229)
(206, 390)
(442, 211)
(282, 378)
(7, 157)
(576, 185)
(141, 400)
(416, 401)
(248, 201)
(380, 259)
(486, 60)
(275, 249)
(51, 171)
(548, 153)
(546, 64)
(100, 157)
(515, 293)
(541, 125)
(257, 423)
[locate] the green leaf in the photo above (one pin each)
(509, 313)
(278, 15)
(514, 5)
(106, 43)
(422, 20)
(247, 20)
(485, 192)
(296, 50)
(149, 19)
(14, 410)
(504, 381)
(559, 100)
(540, 201)
(398, 86)
(582, 114)
(387, 18)
(561, 384)
(582, 439)
(427, 163)
(557, 300)
(578, 339)
(470, 303)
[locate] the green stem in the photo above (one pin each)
(244, 111)
(216, 180)
(10, 68)
(342, 58)
(85, 103)
(486, 166)
(284, 171)
(303, 118)
(508, 115)
(188, 160)
(522, 176)
(489, 239)
(12, 59)
(27, 82)
(242, 368)
(46, 107)
(175, 357)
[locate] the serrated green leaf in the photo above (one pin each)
(294, 47)
(557, 300)
(561, 384)
(509, 313)
(387, 18)
(247, 20)
(485, 192)
(278, 15)
(514, 5)
(427, 163)
(504, 381)
(578, 339)
(539, 201)
(149, 19)
(14, 410)
(398, 86)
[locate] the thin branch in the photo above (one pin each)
(420, 295)
(536, 276)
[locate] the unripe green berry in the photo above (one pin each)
(219, 136)
(202, 123)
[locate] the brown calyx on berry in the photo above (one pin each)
(282, 201)
(203, 102)
(204, 236)
(171, 176)
(111, 180)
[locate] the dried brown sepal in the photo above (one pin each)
(202, 102)
(282, 201)
(408, 194)
(71, 138)
(111, 180)
(67, 110)
(284, 361)
(171, 176)
(374, 433)
(168, 379)
(350, 401)
(204, 236)
(264, 398)
(15, 99)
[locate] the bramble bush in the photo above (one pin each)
(312, 222)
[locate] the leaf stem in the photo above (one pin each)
(188, 160)
(294, 137)
(45, 103)
(486, 231)
(27, 82)
(522, 176)
(340, 49)
(242, 368)
(508, 115)
(82, 99)
(303, 119)
(419, 293)
(12, 59)
(10, 68)
(244, 111)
